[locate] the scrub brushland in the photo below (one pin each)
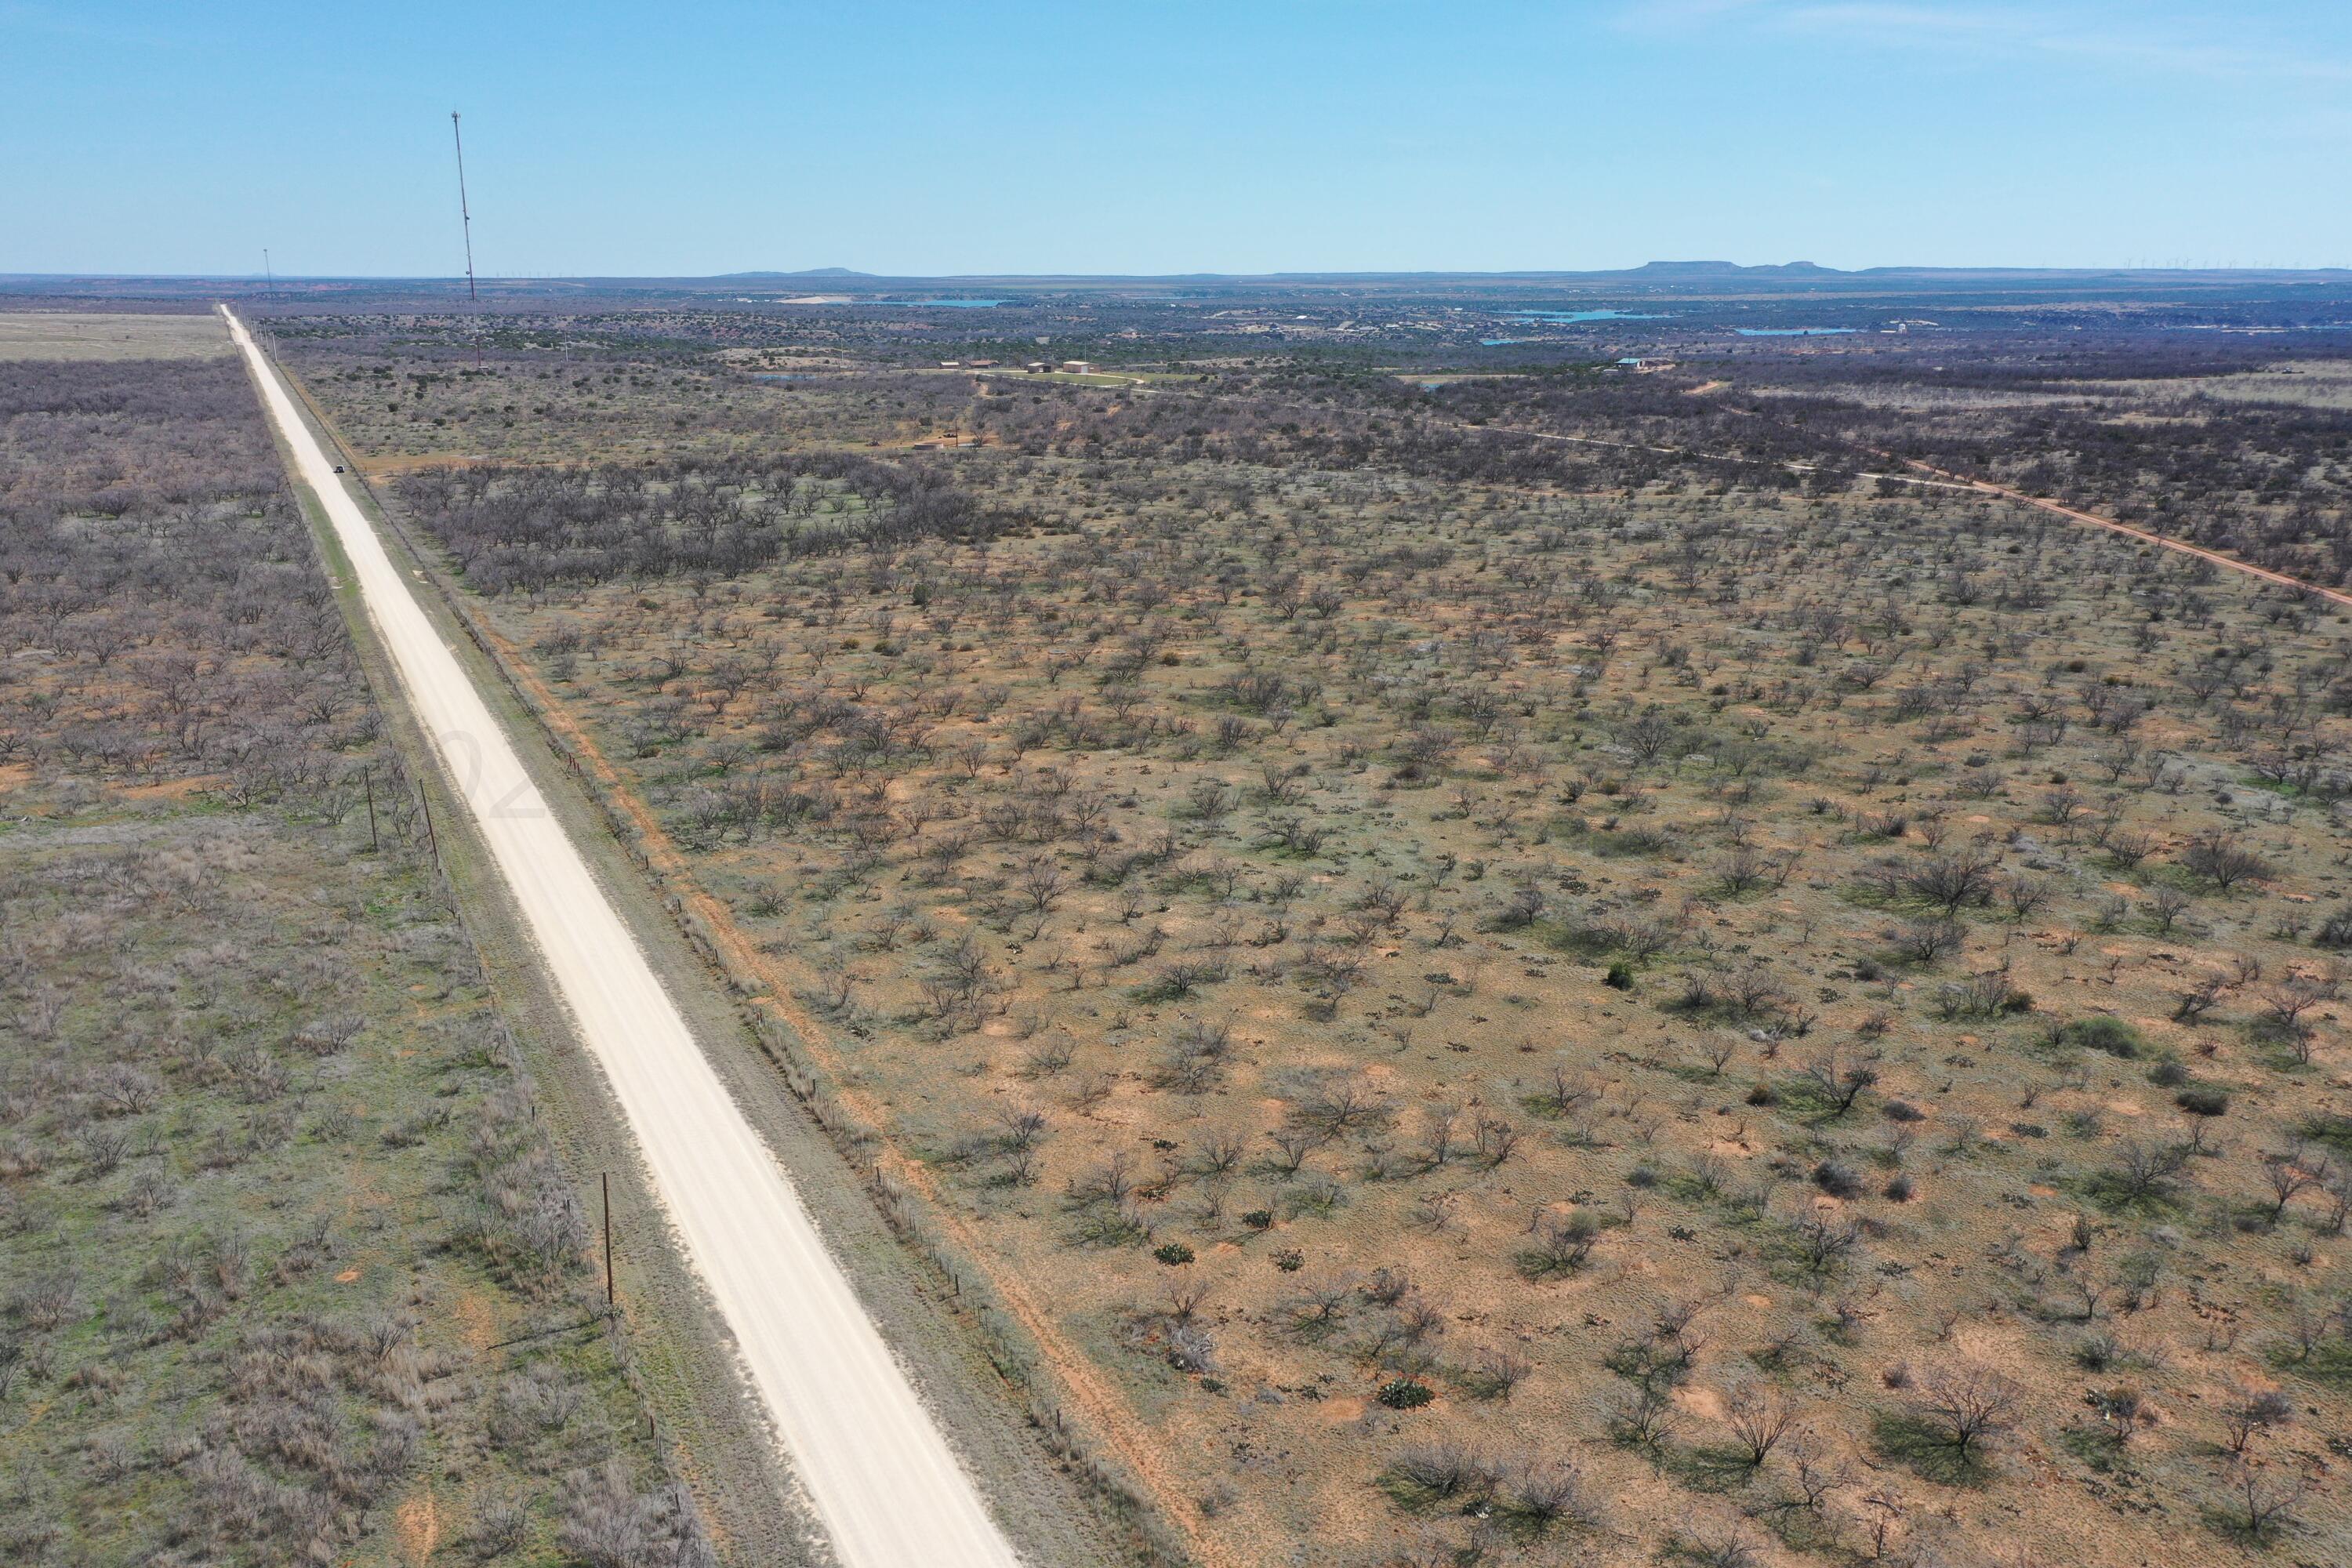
(1486, 999)
(289, 1270)
(1473, 929)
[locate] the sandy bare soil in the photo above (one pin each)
(878, 1470)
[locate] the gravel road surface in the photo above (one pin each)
(875, 1464)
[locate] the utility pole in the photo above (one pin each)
(424, 799)
(465, 214)
(605, 1179)
(466, 218)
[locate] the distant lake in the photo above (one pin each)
(2251, 327)
(942, 304)
(1588, 316)
(1792, 331)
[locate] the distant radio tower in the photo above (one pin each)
(465, 214)
(269, 276)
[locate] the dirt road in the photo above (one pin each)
(1946, 480)
(1987, 487)
(878, 1470)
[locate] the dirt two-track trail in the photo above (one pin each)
(877, 1468)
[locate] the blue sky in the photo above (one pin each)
(1127, 137)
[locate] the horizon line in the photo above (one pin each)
(850, 278)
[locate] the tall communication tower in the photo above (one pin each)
(464, 214)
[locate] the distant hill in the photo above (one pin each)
(804, 272)
(1731, 268)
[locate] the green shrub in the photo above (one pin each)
(1405, 1394)
(2112, 1036)
(2202, 1100)
(2334, 1130)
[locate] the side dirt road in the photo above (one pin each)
(878, 1470)
(2076, 514)
(1945, 480)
